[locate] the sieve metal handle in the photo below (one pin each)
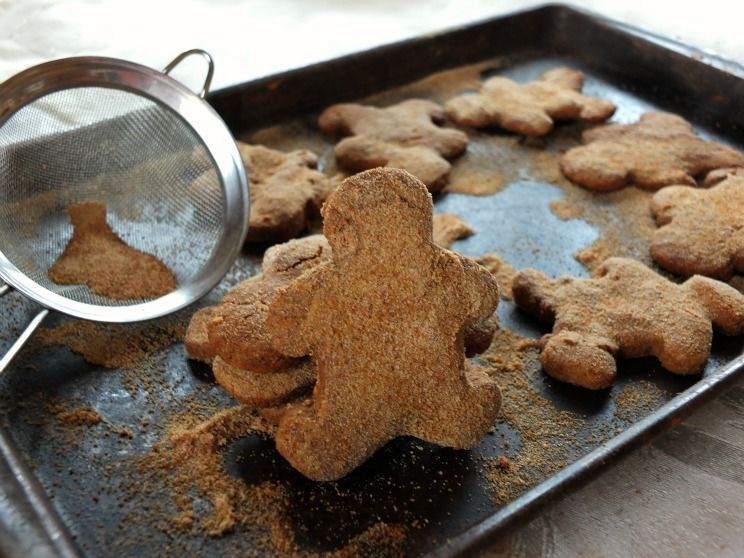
(23, 338)
(195, 52)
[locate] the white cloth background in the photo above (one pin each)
(251, 38)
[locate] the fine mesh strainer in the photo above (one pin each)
(155, 153)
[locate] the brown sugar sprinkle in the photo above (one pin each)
(191, 458)
(95, 256)
(112, 346)
(502, 270)
(593, 255)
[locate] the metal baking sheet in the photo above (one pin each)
(73, 490)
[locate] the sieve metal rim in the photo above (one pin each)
(112, 73)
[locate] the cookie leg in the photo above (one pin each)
(324, 448)
(685, 351)
(584, 361)
(725, 305)
(464, 416)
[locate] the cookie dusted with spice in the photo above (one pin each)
(701, 231)
(384, 322)
(404, 136)
(661, 149)
(626, 311)
(286, 191)
(531, 108)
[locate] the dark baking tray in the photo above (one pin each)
(87, 512)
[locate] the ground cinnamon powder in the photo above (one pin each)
(95, 256)
(191, 458)
(112, 346)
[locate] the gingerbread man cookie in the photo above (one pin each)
(701, 231)
(286, 191)
(626, 311)
(384, 322)
(403, 136)
(659, 150)
(529, 108)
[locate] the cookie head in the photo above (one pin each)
(372, 217)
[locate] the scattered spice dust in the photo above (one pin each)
(623, 216)
(86, 416)
(112, 346)
(638, 399)
(546, 434)
(189, 464)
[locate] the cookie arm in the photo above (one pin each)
(532, 291)
(288, 311)
(482, 289)
(725, 305)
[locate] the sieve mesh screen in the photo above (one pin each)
(161, 188)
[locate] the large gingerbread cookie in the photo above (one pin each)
(701, 231)
(659, 150)
(626, 311)
(384, 322)
(286, 191)
(530, 108)
(404, 136)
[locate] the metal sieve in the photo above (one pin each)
(136, 140)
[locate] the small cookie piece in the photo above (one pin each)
(95, 256)
(384, 322)
(626, 311)
(404, 136)
(448, 227)
(529, 108)
(659, 150)
(286, 191)
(701, 231)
